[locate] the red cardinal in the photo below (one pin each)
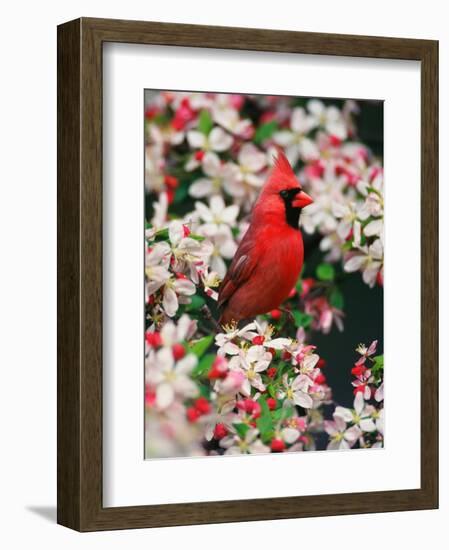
(269, 259)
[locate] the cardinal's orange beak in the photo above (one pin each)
(301, 200)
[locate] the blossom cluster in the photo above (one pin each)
(255, 394)
(364, 423)
(261, 387)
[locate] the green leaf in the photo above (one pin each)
(278, 414)
(282, 413)
(301, 319)
(265, 421)
(325, 272)
(198, 238)
(378, 367)
(204, 365)
(373, 190)
(205, 122)
(162, 235)
(161, 119)
(241, 429)
(265, 131)
(196, 303)
(200, 347)
(204, 389)
(181, 193)
(347, 245)
(336, 299)
(288, 411)
(280, 367)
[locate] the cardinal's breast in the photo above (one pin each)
(278, 268)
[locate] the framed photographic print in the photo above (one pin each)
(247, 286)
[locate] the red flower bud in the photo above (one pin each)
(220, 431)
(320, 379)
(192, 414)
(153, 339)
(277, 445)
(271, 372)
(150, 397)
(199, 155)
(171, 181)
(250, 407)
(358, 370)
(178, 351)
(219, 369)
(202, 405)
(335, 141)
(276, 314)
(151, 112)
(258, 340)
(271, 403)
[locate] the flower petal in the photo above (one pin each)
(196, 139)
(279, 343)
(219, 140)
(290, 435)
(343, 413)
(352, 434)
(303, 399)
(355, 263)
(184, 287)
(374, 227)
(252, 158)
(201, 188)
(359, 402)
(164, 395)
(367, 425)
(170, 301)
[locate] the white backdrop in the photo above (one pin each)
(28, 275)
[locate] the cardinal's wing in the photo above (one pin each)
(239, 271)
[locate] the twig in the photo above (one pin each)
(208, 315)
(288, 318)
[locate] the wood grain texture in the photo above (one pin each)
(80, 273)
(69, 406)
(429, 271)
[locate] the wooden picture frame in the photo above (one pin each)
(80, 504)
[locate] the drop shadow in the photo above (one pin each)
(46, 512)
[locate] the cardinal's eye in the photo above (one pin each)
(284, 193)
